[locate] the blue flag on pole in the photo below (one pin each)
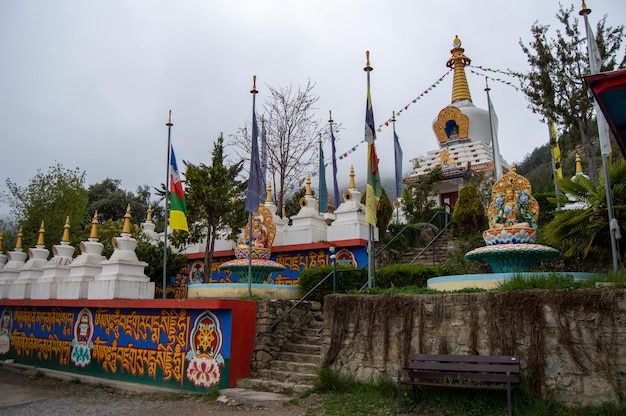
(398, 153)
(322, 183)
(337, 201)
(254, 196)
(263, 156)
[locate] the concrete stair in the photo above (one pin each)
(294, 367)
(443, 248)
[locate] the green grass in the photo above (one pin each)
(341, 395)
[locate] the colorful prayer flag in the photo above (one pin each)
(178, 206)
(374, 188)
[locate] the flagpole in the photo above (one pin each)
(595, 62)
(557, 191)
(334, 162)
(167, 198)
(495, 147)
(371, 261)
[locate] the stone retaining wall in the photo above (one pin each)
(572, 344)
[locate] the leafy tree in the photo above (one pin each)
(417, 198)
(292, 136)
(469, 214)
(49, 197)
(555, 87)
(215, 201)
(110, 200)
(582, 233)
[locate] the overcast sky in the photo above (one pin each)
(88, 84)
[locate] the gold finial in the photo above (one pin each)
(319, 139)
(308, 184)
(42, 231)
(169, 119)
(253, 90)
(579, 164)
(458, 62)
(584, 10)
(126, 228)
(149, 214)
(94, 226)
(66, 230)
(368, 67)
(268, 196)
(330, 117)
(393, 116)
(18, 243)
(352, 183)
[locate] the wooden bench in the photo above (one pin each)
(472, 372)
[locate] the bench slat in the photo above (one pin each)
(466, 367)
(465, 358)
(456, 377)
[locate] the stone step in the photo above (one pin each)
(299, 357)
(273, 386)
(307, 339)
(287, 376)
(303, 348)
(295, 367)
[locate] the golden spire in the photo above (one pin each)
(368, 67)
(579, 165)
(458, 61)
(514, 167)
(126, 229)
(268, 196)
(94, 226)
(41, 233)
(1, 239)
(352, 183)
(149, 214)
(66, 231)
(308, 184)
(584, 10)
(18, 244)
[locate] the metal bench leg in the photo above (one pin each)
(508, 393)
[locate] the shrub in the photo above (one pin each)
(400, 275)
(348, 279)
(469, 215)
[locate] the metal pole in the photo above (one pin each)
(557, 191)
(333, 257)
(167, 200)
(609, 207)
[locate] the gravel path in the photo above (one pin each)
(28, 393)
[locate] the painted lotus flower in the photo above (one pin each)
(204, 372)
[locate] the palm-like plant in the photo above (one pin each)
(579, 233)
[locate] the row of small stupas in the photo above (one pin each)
(88, 276)
(36, 275)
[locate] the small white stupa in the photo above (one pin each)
(56, 269)
(122, 276)
(84, 268)
(11, 270)
(3, 257)
(148, 228)
(350, 216)
(32, 270)
(307, 225)
(573, 202)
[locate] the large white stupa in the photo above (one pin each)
(464, 136)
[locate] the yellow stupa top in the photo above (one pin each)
(94, 226)
(1, 239)
(126, 229)
(149, 214)
(66, 230)
(579, 164)
(268, 196)
(352, 183)
(308, 185)
(458, 61)
(42, 231)
(18, 243)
